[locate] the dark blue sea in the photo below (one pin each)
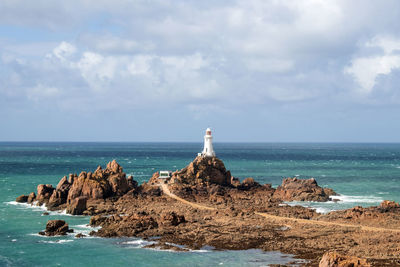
(364, 174)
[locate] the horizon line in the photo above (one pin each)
(216, 142)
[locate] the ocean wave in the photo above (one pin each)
(41, 208)
(138, 243)
(84, 229)
(357, 199)
(61, 241)
(323, 210)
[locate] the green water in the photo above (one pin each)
(364, 174)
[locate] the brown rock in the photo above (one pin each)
(114, 167)
(44, 192)
(119, 184)
(294, 189)
(248, 183)
(132, 184)
(55, 227)
(31, 197)
(80, 235)
(333, 259)
(387, 204)
(203, 170)
(62, 182)
(22, 199)
(235, 181)
(77, 206)
(171, 218)
(154, 178)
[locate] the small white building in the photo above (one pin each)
(208, 150)
(165, 175)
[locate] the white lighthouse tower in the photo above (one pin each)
(208, 150)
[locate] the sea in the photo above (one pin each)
(363, 175)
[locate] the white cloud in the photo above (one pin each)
(64, 51)
(41, 91)
(140, 65)
(237, 54)
(366, 69)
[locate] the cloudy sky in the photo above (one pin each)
(273, 71)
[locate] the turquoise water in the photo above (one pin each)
(364, 174)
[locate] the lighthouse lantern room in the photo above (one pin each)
(208, 150)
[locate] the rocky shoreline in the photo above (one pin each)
(204, 205)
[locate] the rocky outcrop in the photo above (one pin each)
(203, 170)
(31, 197)
(101, 184)
(44, 192)
(56, 227)
(333, 259)
(387, 214)
(22, 199)
(248, 183)
(77, 206)
(131, 225)
(294, 189)
(171, 218)
(388, 205)
(60, 194)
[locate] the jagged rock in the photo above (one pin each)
(80, 235)
(103, 183)
(148, 190)
(60, 195)
(119, 184)
(387, 204)
(56, 227)
(132, 184)
(235, 181)
(154, 179)
(294, 189)
(97, 220)
(44, 192)
(31, 197)
(333, 259)
(203, 170)
(171, 218)
(114, 167)
(77, 206)
(130, 225)
(22, 199)
(71, 178)
(248, 183)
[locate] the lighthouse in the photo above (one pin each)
(208, 150)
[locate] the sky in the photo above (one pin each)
(165, 70)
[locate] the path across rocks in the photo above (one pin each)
(281, 219)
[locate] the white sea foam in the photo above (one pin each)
(138, 243)
(323, 210)
(357, 199)
(35, 207)
(84, 229)
(62, 241)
